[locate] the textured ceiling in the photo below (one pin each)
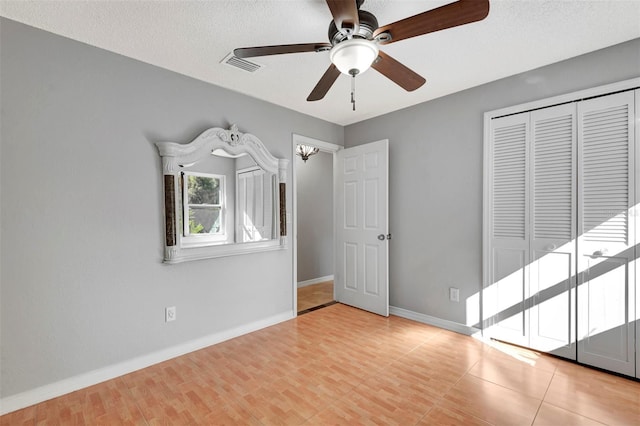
(192, 38)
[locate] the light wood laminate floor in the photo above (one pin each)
(315, 295)
(340, 365)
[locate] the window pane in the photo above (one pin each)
(204, 220)
(203, 190)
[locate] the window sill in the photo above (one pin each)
(175, 255)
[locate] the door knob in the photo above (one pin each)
(381, 237)
(599, 253)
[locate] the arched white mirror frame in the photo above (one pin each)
(234, 144)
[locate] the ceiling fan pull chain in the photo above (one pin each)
(353, 91)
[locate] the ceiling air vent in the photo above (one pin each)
(243, 64)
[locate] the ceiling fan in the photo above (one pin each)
(354, 37)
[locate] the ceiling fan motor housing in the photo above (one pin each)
(368, 24)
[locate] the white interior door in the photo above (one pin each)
(606, 252)
(361, 276)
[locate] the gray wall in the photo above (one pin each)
(82, 283)
(436, 177)
(314, 181)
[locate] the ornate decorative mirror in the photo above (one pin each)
(224, 194)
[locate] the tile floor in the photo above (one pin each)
(340, 365)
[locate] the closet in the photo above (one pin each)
(559, 229)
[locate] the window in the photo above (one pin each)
(204, 207)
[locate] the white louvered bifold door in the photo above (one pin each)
(606, 252)
(505, 284)
(553, 230)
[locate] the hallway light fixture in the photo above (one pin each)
(306, 151)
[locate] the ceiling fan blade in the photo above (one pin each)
(447, 16)
(345, 14)
(398, 73)
(325, 83)
(248, 52)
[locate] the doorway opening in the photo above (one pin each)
(315, 296)
(313, 226)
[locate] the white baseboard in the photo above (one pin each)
(53, 390)
(315, 281)
(437, 322)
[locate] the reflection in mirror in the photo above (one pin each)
(204, 205)
(234, 205)
(226, 196)
(254, 204)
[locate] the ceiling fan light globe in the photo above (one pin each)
(354, 54)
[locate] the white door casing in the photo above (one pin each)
(361, 276)
(635, 212)
(323, 146)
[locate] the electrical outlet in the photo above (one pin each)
(454, 294)
(169, 313)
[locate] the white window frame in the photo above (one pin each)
(195, 240)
